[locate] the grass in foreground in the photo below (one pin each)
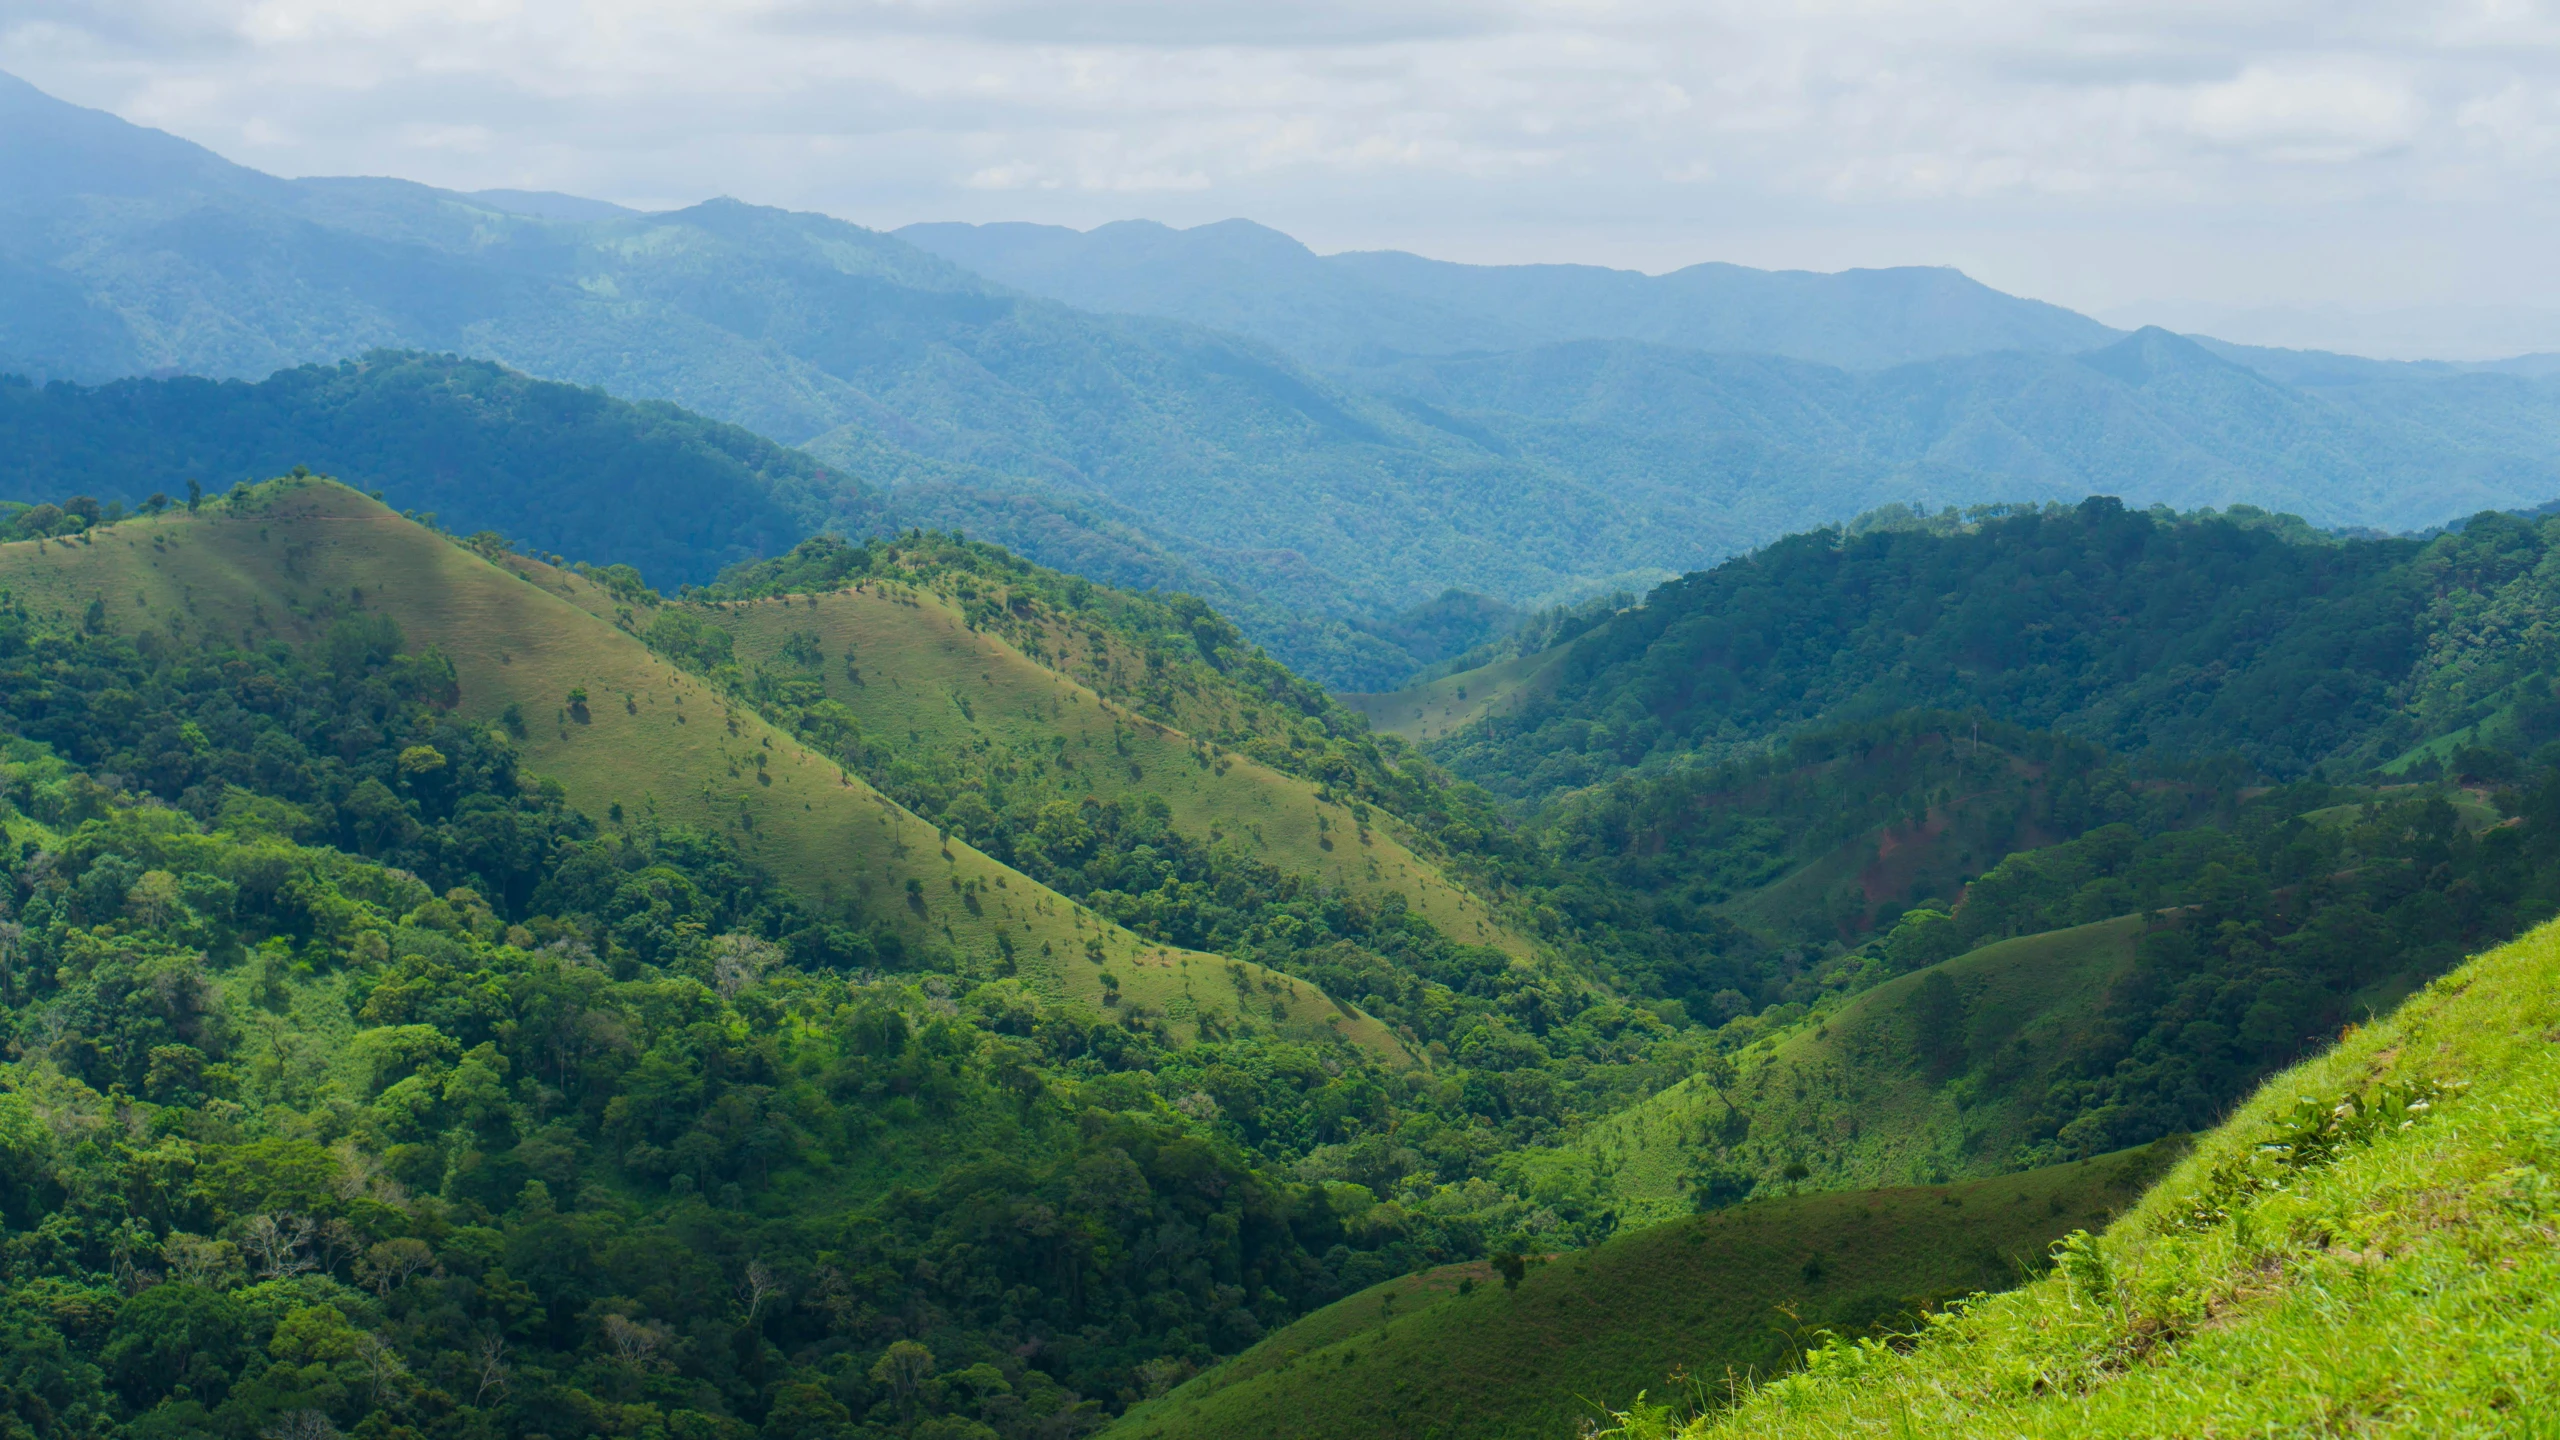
(1451, 1353)
(2366, 1248)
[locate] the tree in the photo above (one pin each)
(275, 1244)
(738, 961)
(633, 1345)
(172, 1334)
(756, 1286)
(903, 1367)
(388, 1265)
(489, 1365)
(383, 1367)
(1937, 1024)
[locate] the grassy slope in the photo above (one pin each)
(921, 662)
(1851, 1099)
(1453, 702)
(284, 569)
(2412, 1287)
(1712, 1294)
(1842, 891)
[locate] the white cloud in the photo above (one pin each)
(2324, 115)
(2095, 151)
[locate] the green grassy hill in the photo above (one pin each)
(955, 699)
(648, 741)
(1447, 705)
(2365, 1248)
(1888, 1089)
(1451, 1355)
(1023, 675)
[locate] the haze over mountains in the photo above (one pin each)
(601, 912)
(1351, 310)
(1321, 444)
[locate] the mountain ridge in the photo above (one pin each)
(1344, 311)
(1322, 505)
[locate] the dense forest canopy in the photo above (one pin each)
(2151, 634)
(425, 1096)
(361, 1082)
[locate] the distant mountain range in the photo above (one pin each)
(1350, 311)
(1322, 445)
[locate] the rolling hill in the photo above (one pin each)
(2144, 633)
(1686, 1307)
(965, 701)
(610, 722)
(1864, 1096)
(2366, 1238)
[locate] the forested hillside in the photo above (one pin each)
(903, 991)
(480, 447)
(2150, 634)
(431, 1010)
(569, 470)
(596, 923)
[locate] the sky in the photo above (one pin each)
(2375, 177)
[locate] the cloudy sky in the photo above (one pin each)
(2375, 176)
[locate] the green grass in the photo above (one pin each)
(2475, 808)
(1710, 1296)
(1444, 706)
(653, 740)
(2409, 1287)
(940, 689)
(1849, 1096)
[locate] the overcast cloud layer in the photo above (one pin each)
(2379, 176)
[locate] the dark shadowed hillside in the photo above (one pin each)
(556, 467)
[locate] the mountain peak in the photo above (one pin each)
(51, 148)
(2151, 353)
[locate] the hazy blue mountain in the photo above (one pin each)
(1730, 442)
(558, 468)
(1326, 510)
(572, 470)
(551, 205)
(804, 328)
(1349, 311)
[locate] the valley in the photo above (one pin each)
(715, 823)
(1024, 893)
